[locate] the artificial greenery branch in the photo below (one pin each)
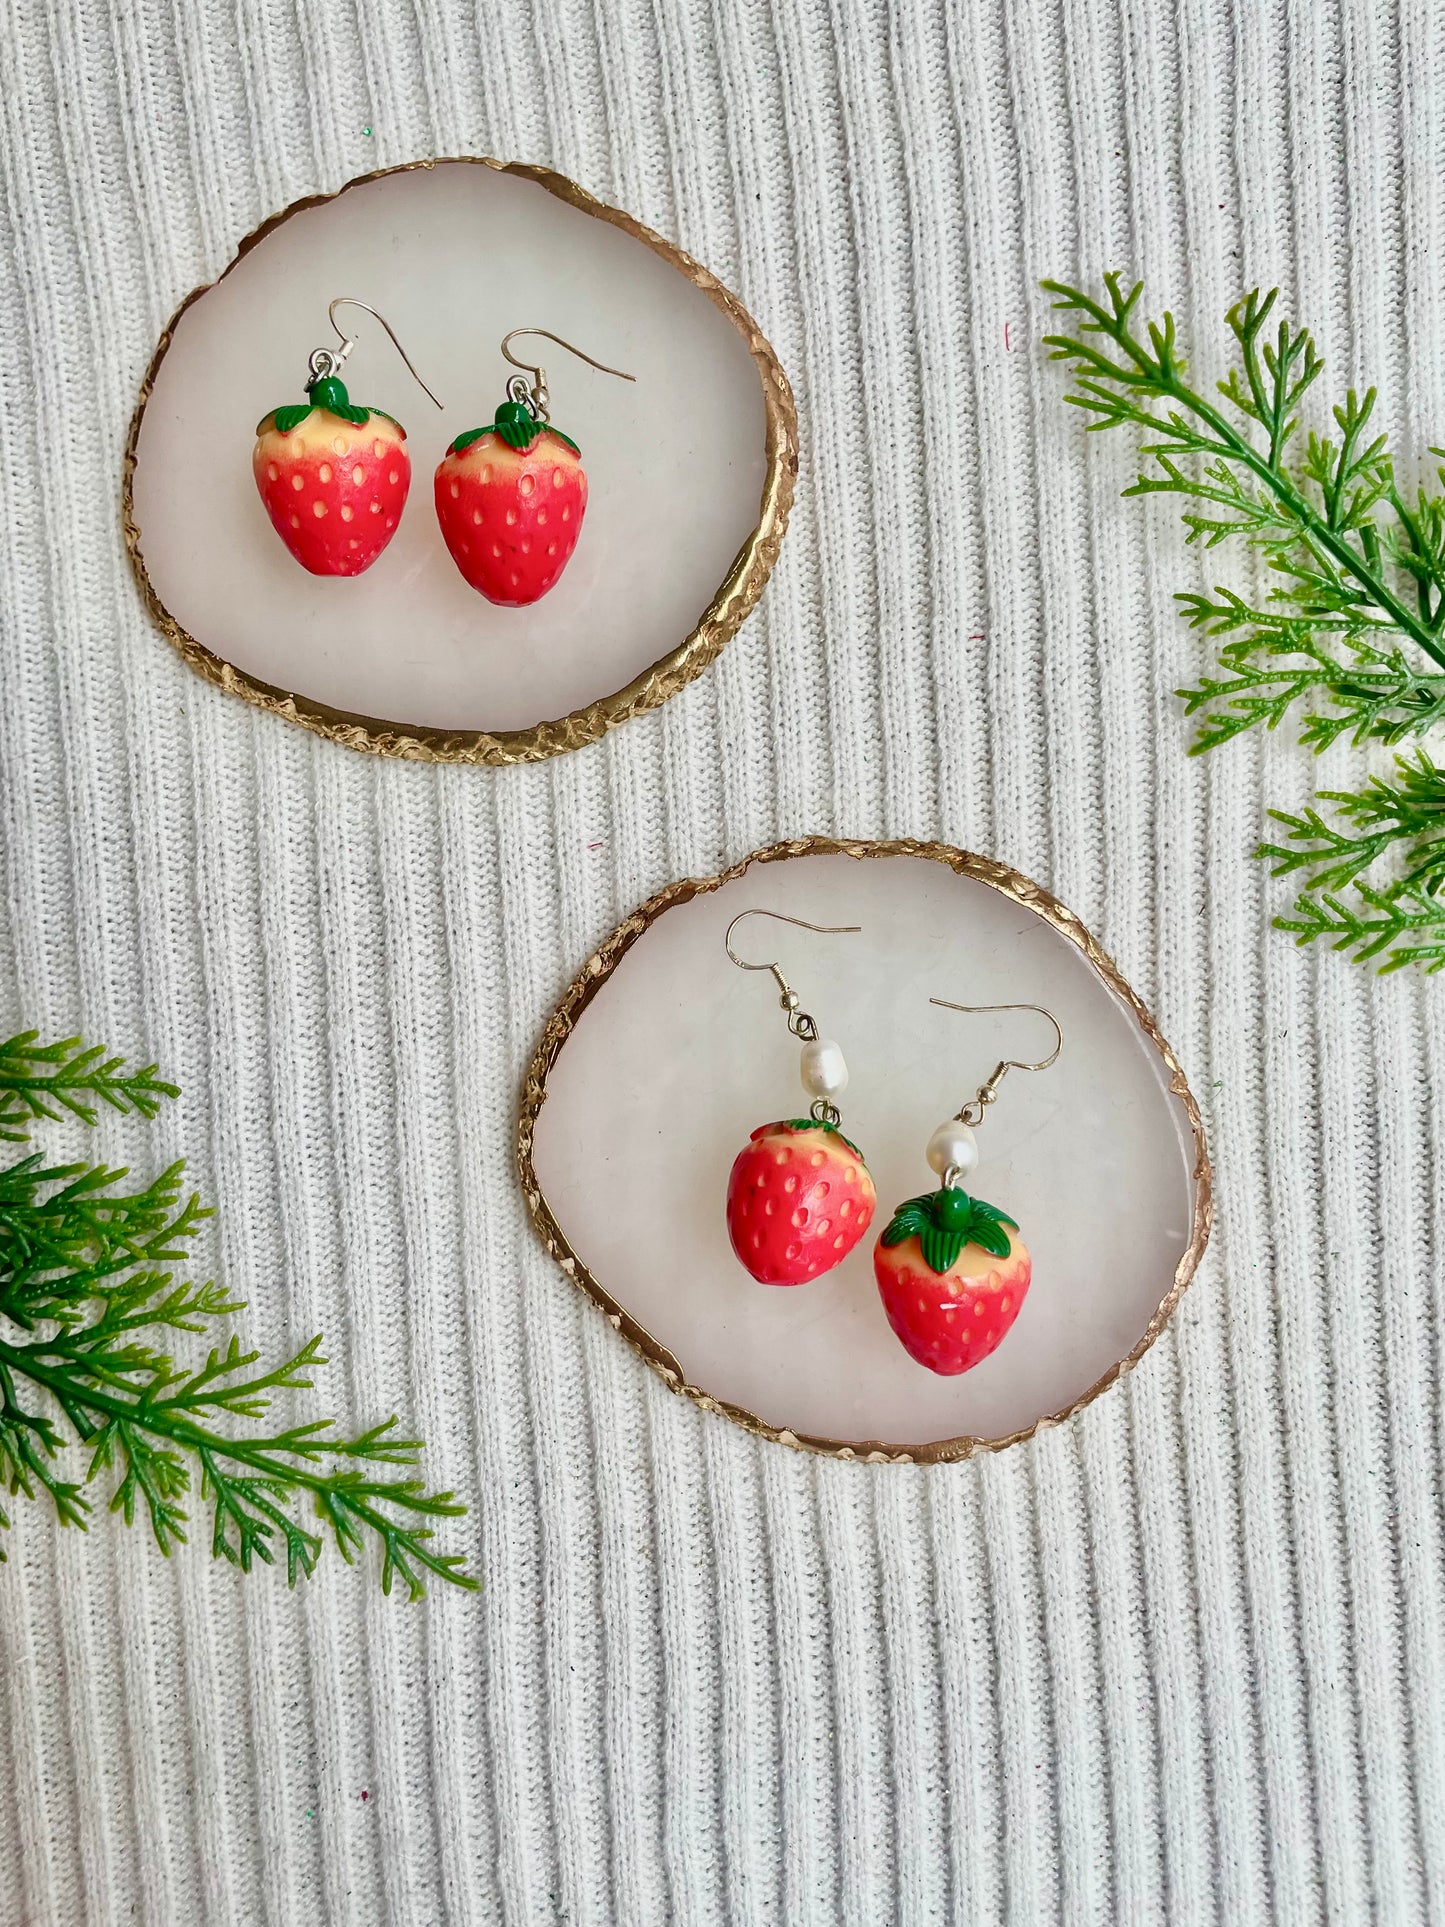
(88, 1298)
(45, 1080)
(1352, 637)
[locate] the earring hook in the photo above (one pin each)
(326, 361)
(972, 1112)
(800, 923)
(799, 1022)
(1013, 1063)
(535, 393)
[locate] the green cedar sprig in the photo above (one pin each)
(1352, 636)
(46, 1080)
(945, 1221)
(89, 1300)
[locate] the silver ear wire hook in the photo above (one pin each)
(788, 997)
(534, 393)
(823, 1070)
(326, 362)
(972, 1112)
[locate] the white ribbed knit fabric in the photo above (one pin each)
(1181, 1660)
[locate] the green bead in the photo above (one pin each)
(329, 393)
(954, 1208)
(516, 425)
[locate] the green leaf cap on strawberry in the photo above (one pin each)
(516, 425)
(328, 393)
(820, 1124)
(945, 1221)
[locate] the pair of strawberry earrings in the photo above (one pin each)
(952, 1271)
(510, 496)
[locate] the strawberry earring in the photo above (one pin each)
(799, 1197)
(952, 1271)
(334, 478)
(511, 496)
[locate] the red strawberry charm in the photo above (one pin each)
(952, 1273)
(799, 1199)
(510, 500)
(334, 479)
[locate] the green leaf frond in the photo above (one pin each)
(68, 1077)
(1386, 825)
(1394, 927)
(1350, 638)
(91, 1304)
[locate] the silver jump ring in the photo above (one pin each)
(520, 389)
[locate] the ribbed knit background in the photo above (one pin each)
(1181, 1660)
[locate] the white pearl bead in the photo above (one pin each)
(822, 1069)
(953, 1147)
